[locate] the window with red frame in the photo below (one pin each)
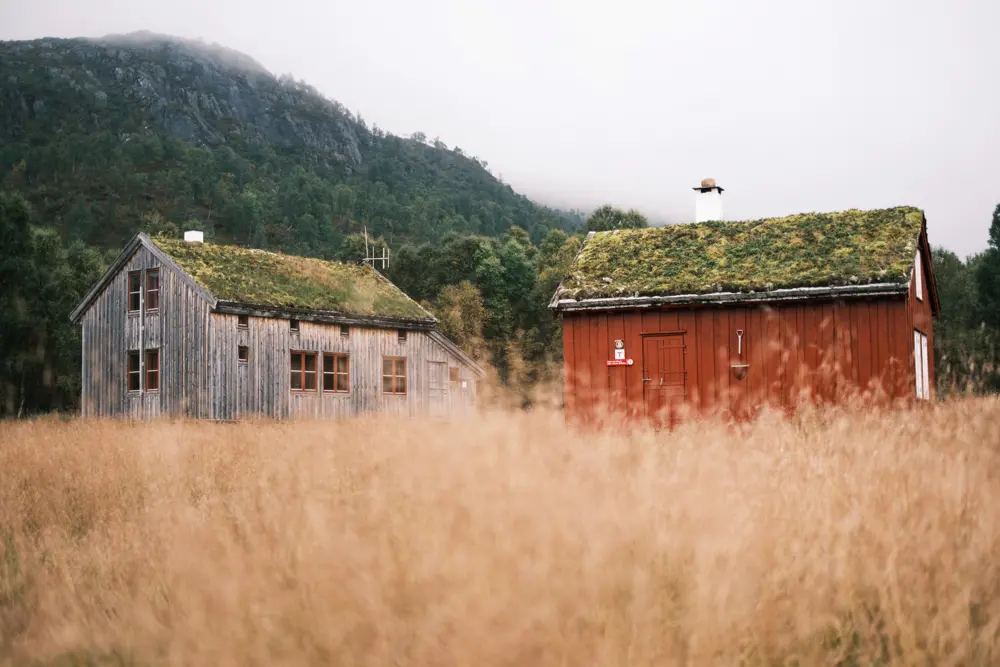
(303, 377)
(394, 375)
(134, 379)
(152, 289)
(134, 291)
(152, 370)
(336, 373)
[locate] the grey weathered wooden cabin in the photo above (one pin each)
(192, 329)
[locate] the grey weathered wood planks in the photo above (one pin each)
(261, 385)
(110, 331)
(201, 375)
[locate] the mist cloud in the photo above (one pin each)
(790, 106)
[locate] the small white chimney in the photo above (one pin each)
(192, 236)
(707, 201)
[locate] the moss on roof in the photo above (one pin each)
(808, 250)
(258, 277)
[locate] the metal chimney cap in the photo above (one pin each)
(707, 185)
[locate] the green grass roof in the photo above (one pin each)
(258, 277)
(808, 250)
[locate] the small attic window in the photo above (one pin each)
(918, 274)
(345, 331)
(401, 336)
(134, 291)
(293, 326)
(152, 290)
(243, 322)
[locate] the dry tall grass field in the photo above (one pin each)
(837, 538)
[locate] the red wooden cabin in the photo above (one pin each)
(731, 316)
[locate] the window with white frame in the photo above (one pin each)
(921, 365)
(918, 274)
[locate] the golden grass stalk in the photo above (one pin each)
(837, 537)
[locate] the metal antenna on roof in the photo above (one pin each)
(370, 258)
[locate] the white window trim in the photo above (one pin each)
(921, 365)
(918, 275)
(927, 368)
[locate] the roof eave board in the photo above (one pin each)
(716, 298)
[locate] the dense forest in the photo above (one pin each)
(105, 136)
(967, 335)
(102, 138)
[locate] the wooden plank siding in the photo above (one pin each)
(787, 348)
(179, 330)
(201, 376)
(261, 386)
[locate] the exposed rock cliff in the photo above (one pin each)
(196, 92)
(140, 131)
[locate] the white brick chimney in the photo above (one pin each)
(707, 201)
(192, 236)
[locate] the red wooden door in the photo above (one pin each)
(664, 377)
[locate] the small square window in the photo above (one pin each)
(293, 326)
(453, 374)
(243, 353)
(401, 336)
(243, 322)
(345, 331)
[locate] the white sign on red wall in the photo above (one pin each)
(619, 359)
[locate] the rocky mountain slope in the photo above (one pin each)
(141, 130)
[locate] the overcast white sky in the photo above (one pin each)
(791, 105)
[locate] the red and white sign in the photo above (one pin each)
(619, 362)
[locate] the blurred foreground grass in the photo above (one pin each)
(846, 537)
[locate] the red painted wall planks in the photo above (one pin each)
(569, 363)
(786, 347)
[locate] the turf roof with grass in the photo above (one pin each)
(851, 247)
(262, 278)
